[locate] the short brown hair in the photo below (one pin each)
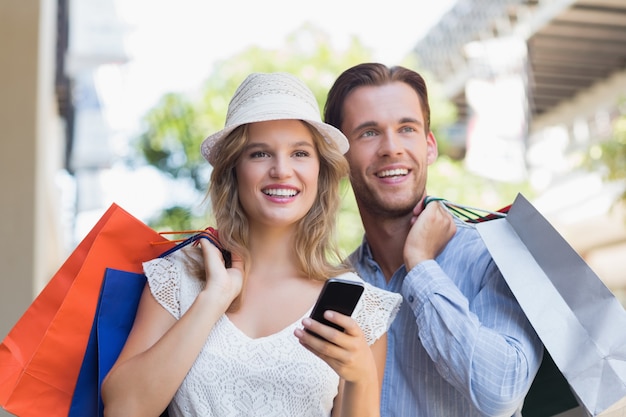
(372, 74)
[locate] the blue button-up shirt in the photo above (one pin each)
(460, 345)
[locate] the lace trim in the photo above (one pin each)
(164, 280)
(376, 311)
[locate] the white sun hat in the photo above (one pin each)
(271, 96)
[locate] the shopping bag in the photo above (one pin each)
(549, 394)
(41, 357)
(580, 322)
(113, 320)
(114, 317)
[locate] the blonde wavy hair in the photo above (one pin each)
(316, 247)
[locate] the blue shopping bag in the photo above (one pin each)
(115, 314)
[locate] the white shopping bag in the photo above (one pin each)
(580, 322)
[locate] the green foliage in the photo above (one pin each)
(175, 128)
(171, 138)
(349, 226)
(178, 219)
(449, 179)
(609, 156)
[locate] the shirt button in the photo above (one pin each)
(411, 298)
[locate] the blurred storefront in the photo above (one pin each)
(537, 83)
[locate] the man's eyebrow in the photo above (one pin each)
(411, 120)
(365, 125)
(371, 123)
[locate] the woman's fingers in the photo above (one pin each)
(346, 352)
(224, 283)
(212, 255)
(326, 340)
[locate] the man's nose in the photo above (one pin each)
(390, 144)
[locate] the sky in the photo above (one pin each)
(172, 44)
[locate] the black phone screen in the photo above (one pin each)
(337, 295)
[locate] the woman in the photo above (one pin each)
(215, 341)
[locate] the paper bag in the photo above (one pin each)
(41, 357)
(580, 322)
(113, 320)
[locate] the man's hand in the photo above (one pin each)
(430, 232)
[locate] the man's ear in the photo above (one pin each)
(431, 148)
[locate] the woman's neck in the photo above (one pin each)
(272, 251)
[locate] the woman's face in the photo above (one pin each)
(277, 173)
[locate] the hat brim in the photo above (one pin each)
(332, 135)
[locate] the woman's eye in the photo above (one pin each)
(301, 154)
(258, 154)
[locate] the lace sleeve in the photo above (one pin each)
(164, 281)
(376, 311)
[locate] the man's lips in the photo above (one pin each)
(392, 173)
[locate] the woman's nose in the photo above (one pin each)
(281, 168)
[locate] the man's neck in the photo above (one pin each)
(386, 239)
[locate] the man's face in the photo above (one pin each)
(389, 148)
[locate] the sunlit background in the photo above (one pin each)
(129, 54)
(107, 100)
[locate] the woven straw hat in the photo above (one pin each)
(271, 96)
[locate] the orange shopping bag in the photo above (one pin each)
(40, 358)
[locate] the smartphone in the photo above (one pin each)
(338, 295)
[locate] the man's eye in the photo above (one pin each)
(408, 129)
(368, 133)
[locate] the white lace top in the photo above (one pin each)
(235, 375)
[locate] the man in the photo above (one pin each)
(460, 345)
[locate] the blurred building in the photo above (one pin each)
(55, 137)
(33, 141)
(536, 84)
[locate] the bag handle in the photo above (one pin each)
(468, 214)
(209, 234)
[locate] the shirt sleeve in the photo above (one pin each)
(376, 311)
(483, 346)
(164, 280)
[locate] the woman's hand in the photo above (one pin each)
(223, 284)
(346, 352)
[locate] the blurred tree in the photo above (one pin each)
(173, 130)
(609, 156)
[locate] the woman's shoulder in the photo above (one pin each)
(171, 282)
(371, 289)
(376, 309)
